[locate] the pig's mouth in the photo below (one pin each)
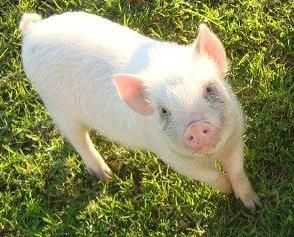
(187, 152)
(190, 154)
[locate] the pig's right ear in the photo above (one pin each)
(131, 91)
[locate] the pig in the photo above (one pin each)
(142, 93)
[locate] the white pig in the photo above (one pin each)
(142, 93)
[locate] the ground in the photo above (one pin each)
(45, 189)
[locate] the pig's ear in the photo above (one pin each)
(131, 91)
(208, 43)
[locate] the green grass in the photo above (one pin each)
(44, 187)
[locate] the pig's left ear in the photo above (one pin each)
(132, 92)
(208, 43)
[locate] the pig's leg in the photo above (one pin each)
(202, 171)
(232, 162)
(79, 137)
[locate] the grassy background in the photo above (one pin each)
(44, 187)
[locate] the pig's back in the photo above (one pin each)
(77, 35)
(71, 59)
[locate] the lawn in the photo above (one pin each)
(45, 189)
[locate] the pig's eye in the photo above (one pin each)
(163, 110)
(209, 89)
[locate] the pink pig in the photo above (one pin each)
(171, 99)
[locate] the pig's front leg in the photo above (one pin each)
(194, 168)
(232, 161)
(78, 136)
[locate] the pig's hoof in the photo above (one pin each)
(251, 201)
(103, 173)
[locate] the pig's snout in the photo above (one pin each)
(200, 135)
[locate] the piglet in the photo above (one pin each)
(142, 93)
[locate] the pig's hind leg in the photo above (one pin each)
(78, 136)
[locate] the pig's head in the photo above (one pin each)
(184, 89)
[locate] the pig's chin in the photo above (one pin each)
(184, 151)
(206, 150)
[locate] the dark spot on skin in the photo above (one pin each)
(165, 117)
(215, 99)
(212, 94)
(168, 123)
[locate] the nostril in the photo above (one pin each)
(205, 131)
(190, 138)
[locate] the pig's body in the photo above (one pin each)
(72, 59)
(75, 70)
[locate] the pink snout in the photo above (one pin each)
(200, 136)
